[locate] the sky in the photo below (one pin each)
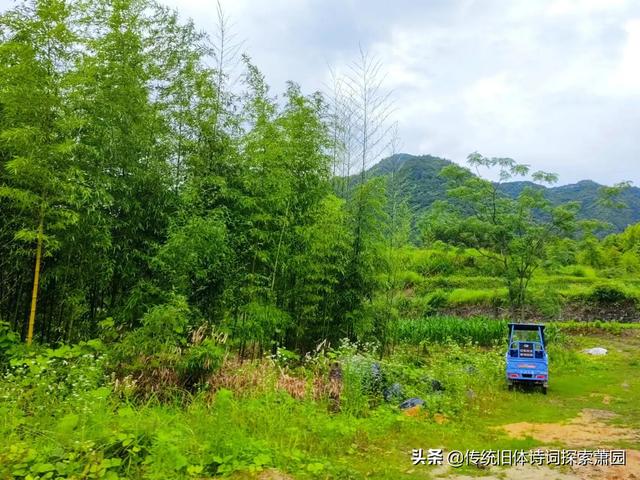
(550, 83)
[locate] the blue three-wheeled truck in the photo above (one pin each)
(527, 362)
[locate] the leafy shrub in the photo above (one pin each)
(40, 378)
(630, 262)
(21, 461)
(548, 300)
(200, 360)
(9, 340)
(161, 358)
(260, 324)
(607, 294)
(410, 279)
(436, 301)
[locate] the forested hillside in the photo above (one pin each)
(421, 184)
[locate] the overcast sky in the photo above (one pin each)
(555, 83)
(551, 83)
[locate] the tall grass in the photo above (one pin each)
(480, 330)
(586, 328)
(483, 331)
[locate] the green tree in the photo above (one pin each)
(318, 268)
(39, 177)
(512, 233)
(125, 142)
(367, 218)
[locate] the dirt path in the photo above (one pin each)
(589, 430)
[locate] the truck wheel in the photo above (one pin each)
(510, 387)
(544, 390)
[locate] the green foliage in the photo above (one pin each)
(512, 233)
(479, 330)
(421, 185)
(606, 294)
(194, 261)
(9, 340)
(259, 323)
(164, 326)
(38, 381)
(172, 352)
(192, 228)
(89, 432)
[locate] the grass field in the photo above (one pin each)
(266, 419)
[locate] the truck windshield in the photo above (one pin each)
(525, 336)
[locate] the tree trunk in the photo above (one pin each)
(36, 281)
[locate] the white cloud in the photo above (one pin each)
(553, 83)
(578, 7)
(625, 79)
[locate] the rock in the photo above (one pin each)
(471, 394)
(411, 403)
(393, 392)
(596, 351)
(470, 369)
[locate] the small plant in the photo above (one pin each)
(9, 340)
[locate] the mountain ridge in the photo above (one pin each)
(421, 185)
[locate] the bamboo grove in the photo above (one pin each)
(135, 171)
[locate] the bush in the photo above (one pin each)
(162, 357)
(606, 294)
(548, 300)
(40, 378)
(630, 262)
(199, 361)
(436, 301)
(9, 340)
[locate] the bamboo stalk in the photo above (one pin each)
(36, 280)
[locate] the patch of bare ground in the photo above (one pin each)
(268, 474)
(588, 429)
(630, 471)
(273, 474)
(521, 472)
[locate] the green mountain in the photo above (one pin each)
(419, 181)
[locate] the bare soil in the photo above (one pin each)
(588, 430)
